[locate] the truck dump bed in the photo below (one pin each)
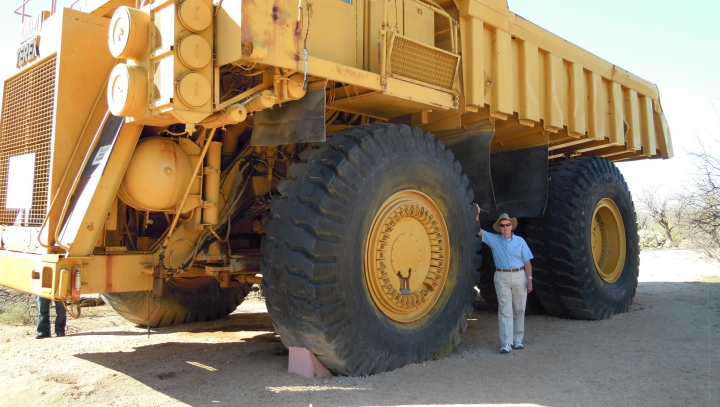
(588, 106)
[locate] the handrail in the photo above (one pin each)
(21, 8)
(435, 8)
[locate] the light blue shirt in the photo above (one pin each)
(508, 253)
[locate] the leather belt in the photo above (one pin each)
(510, 270)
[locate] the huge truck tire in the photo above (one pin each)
(184, 300)
(586, 245)
(372, 202)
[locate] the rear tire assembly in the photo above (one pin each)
(586, 245)
(373, 201)
(184, 300)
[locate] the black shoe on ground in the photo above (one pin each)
(41, 336)
(60, 334)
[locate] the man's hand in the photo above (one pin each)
(477, 211)
(528, 273)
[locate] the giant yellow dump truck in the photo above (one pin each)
(169, 154)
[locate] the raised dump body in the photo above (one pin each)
(328, 150)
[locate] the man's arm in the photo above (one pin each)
(477, 218)
(528, 272)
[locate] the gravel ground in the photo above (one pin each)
(664, 352)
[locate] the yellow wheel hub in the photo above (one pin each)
(608, 240)
(407, 255)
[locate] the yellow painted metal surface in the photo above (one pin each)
(91, 224)
(40, 274)
(407, 256)
(509, 67)
(607, 238)
(570, 91)
(441, 66)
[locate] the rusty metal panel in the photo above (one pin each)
(275, 24)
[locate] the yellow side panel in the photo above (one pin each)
(473, 61)
(662, 132)
(501, 105)
(632, 118)
(648, 126)
(595, 116)
(528, 83)
(576, 125)
(553, 103)
(419, 22)
(616, 132)
(228, 25)
(333, 31)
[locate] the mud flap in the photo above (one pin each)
(471, 148)
(299, 121)
(520, 182)
(515, 182)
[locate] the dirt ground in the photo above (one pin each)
(664, 352)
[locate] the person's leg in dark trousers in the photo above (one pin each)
(60, 319)
(43, 324)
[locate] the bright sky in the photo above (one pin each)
(673, 43)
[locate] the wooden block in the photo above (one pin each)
(304, 363)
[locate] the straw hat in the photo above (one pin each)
(507, 217)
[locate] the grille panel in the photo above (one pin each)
(27, 128)
(419, 62)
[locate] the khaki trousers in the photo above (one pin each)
(511, 289)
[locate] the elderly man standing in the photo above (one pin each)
(513, 278)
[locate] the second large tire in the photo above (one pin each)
(324, 284)
(184, 300)
(586, 245)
